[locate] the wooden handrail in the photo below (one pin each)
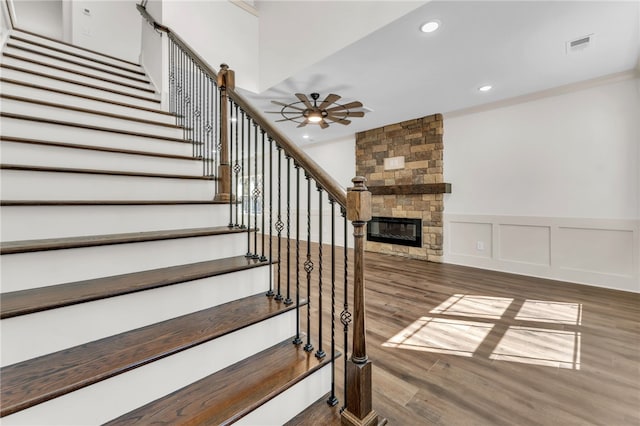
(327, 182)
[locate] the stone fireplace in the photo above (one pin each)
(403, 166)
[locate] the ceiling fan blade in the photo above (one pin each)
(332, 98)
(304, 100)
(350, 105)
(323, 124)
(287, 105)
(304, 123)
(355, 113)
(338, 120)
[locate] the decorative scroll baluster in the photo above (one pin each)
(297, 340)
(332, 398)
(287, 300)
(345, 315)
(242, 169)
(270, 293)
(232, 189)
(256, 192)
(237, 168)
(263, 257)
(279, 224)
(320, 353)
(308, 264)
(249, 190)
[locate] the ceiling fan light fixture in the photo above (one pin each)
(314, 117)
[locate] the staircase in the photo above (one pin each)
(126, 297)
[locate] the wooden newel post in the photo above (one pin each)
(359, 410)
(226, 80)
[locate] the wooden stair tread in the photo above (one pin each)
(43, 378)
(89, 111)
(88, 127)
(26, 246)
(74, 46)
(228, 395)
(79, 83)
(33, 203)
(80, 95)
(97, 148)
(29, 168)
(318, 413)
(81, 64)
(24, 302)
(84, 74)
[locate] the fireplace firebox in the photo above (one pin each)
(395, 230)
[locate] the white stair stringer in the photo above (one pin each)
(57, 329)
(64, 59)
(46, 131)
(55, 156)
(74, 49)
(71, 86)
(44, 221)
(11, 58)
(72, 98)
(124, 123)
(288, 404)
(108, 399)
(77, 264)
(28, 185)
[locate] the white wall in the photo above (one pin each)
(40, 16)
(219, 32)
(549, 187)
(111, 27)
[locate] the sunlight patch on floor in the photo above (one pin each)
(465, 305)
(456, 337)
(548, 311)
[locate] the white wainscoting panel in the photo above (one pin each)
(598, 252)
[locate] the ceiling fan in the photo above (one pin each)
(304, 112)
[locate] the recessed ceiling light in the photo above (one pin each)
(485, 88)
(430, 26)
(305, 136)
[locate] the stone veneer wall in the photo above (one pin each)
(419, 141)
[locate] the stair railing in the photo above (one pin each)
(266, 178)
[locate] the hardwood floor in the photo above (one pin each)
(453, 345)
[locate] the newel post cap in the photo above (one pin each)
(226, 77)
(358, 201)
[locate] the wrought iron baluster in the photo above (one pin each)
(249, 191)
(242, 169)
(263, 257)
(297, 340)
(333, 400)
(345, 315)
(270, 293)
(308, 264)
(288, 300)
(320, 353)
(236, 167)
(279, 225)
(256, 192)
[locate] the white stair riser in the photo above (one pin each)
(58, 329)
(61, 114)
(97, 78)
(42, 155)
(288, 404)
(73, 49)
(142, 385)
(37, 222)
(147, 102)
(26, 185)
(29, 129)
(129, 71)
(75, 101)
(70, 265)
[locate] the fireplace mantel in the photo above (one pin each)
(424, 188)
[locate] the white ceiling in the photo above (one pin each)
(518, 47)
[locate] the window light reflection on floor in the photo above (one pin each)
(536, 332)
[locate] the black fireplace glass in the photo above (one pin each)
(395, 230)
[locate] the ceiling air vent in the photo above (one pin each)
(579, 43)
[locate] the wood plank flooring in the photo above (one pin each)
(453, 345)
